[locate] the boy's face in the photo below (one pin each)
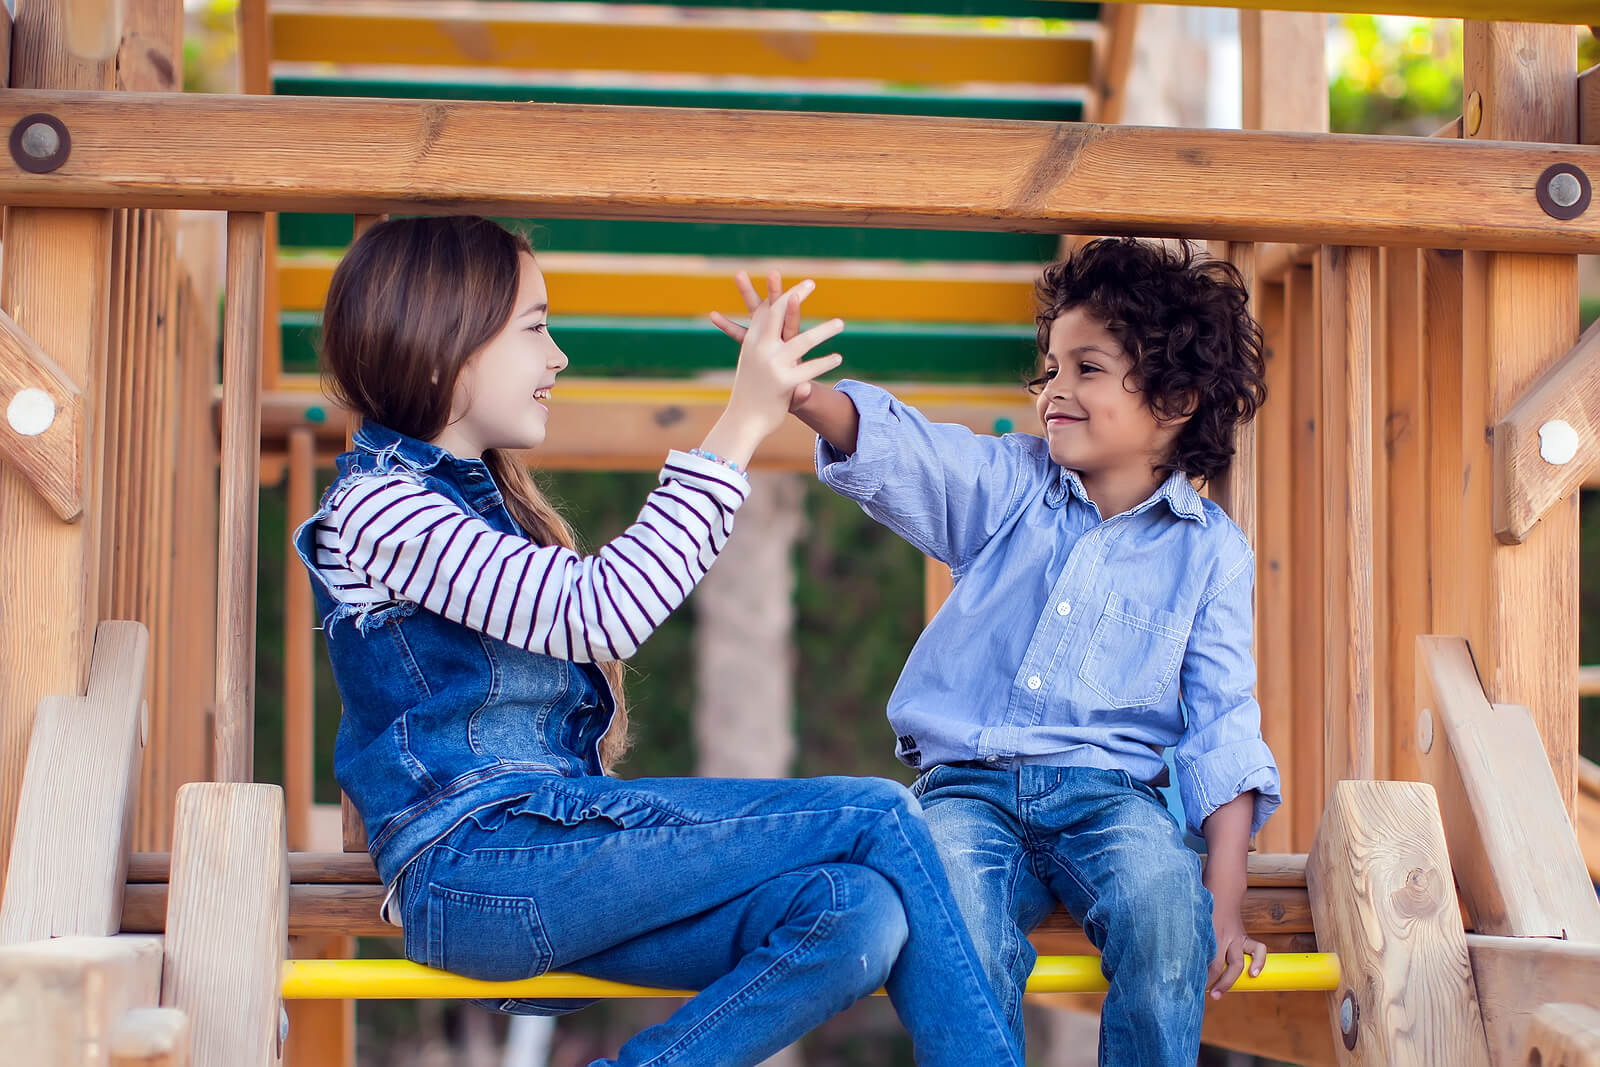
(1094, 417)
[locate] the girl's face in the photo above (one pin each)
(1094, 417)
(500, 393)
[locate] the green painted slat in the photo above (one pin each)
(723, 239)
(646, 348)
(895, 102)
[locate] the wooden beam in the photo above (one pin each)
(1347, 276)
(1113, 60)
(689, 286)
(236, 528)
(216, 152)
(1516, 976)
(43, 432)
(1520, 316)
(1548, 442)
(1563, 11)
(502, 36)
(1589, 106)
(150, 1037)
(69, 852)
(1383, 899)
(1516, 859)
(1563, 1035)
(60, 998)
(1289, 1027)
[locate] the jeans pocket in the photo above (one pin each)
(925, 780)
(1134, 653)
(485, 936)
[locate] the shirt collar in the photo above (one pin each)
(379, 440)
(1180, 495)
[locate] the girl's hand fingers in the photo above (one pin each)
(747, 291)
(791, 322)
(767, 320)
(819, 333)
(728, 326)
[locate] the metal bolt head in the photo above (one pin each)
(1425, 731)
(40, 143)
(40, 140)
(1472, 117)
(283, 1026)
(1349, 1017)
(1565, 189)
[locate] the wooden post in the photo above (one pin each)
(151, 1037)
(1275, 608)
(1520, 315)
(1383, 899)
(1347, 276)
(236, 528)
(54, 283)
(1236, 489)
(1305, 579)
(299, 650)
(61, 998)
(227, 921)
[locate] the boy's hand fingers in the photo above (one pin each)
(815, 368)
(774, 283)
(728, 326)
(1231, 975)
(747, 291)
(819, 333)
(1258, 957)
(791, 322)
(1219, 963)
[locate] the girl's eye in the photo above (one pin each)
(539, 327)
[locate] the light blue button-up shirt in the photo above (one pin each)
(1067, 639)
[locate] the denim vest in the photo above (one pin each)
(440, 720)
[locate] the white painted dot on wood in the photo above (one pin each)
(31, 412)
(1558, 442)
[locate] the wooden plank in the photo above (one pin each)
(1589, 106)
(92, 28)
(238, 502)
(512, 36)
(1517, 861)
(54, 283)
(1587, 821)
(1346, 281)
(43, 432)
(689, 286)
(1235, 490)
(1563, 1035)
(1285, 80)
(1289, 1027)
(1563, 11)
(226, 921)
(69, 850)
(1274, 261)
(299, 649)
(150, 1037)
(1520, 316)
(1516, 976)
(1275, 607)
(61, 998)
(1547, 443)
(1381, 892)
(240, 153)
(1113, 61)
(1307, 792)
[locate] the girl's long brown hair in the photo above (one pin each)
(410, 304)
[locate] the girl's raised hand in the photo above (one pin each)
(770, 370)
(747, 291)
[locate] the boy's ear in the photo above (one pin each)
(1184, 410)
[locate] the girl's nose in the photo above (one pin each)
(558, 361)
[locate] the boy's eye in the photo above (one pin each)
(1036, 385)
(1087, 368)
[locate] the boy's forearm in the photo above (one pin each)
(1227, 834)
(833, 416)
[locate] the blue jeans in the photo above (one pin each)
(1014, 842)
(783, 901)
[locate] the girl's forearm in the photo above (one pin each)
(832, 415)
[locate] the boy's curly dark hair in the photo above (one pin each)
(1183, 319)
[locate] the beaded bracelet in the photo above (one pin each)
(714, 458)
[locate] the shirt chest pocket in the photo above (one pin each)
(1133, 653)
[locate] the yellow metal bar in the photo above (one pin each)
(1570, 12)
(525, 37)
(404, 980)
(690, 286)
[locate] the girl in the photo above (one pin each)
(477, 656)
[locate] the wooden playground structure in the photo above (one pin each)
(1411, 486)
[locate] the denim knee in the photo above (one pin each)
(1163, 914)
(868, 927)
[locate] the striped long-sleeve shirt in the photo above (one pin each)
(387, 539)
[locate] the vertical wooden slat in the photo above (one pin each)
(54, 282)
(299, 690)
(1275, 608)
(1521, 315)
(1346, 284)
(239, 499)
(1305, 768)
(1378, 541)
(1236, 489)
(936, 586)
(255, 78)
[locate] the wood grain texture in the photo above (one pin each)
(1589, 106)
(1563, 1035)
(1291, 1027)
(238, 500)
(226, 921)
(1113, 62)
(299, 648)
(1517, 860)
(1275, 608)
(1526, 486)
(243, 153)
(1520, 316)
(50, 460)
(150, 1037)
(1306, 770)
(1382, 895)
(1516, 976)
(1347, 276)
(70, 845)
(61, 999)
(1235, 490)
(1563, 11)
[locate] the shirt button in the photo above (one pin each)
(1063, 608)
(1034, 682)
(991, 759)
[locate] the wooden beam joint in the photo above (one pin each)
(42, 433)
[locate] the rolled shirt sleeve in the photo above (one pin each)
(942, 487)
(1221, 754)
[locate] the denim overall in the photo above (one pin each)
(474, 767)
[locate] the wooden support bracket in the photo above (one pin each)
(61, 998)
(42, 433)
(1563, 1035)
(1383, 899)
(151, 1037)
(69, 851)
(1548, 442)
(1517, 977)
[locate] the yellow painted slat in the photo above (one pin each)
(404, 980)
(686, 287)
(513, 36)
(1570, 12)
